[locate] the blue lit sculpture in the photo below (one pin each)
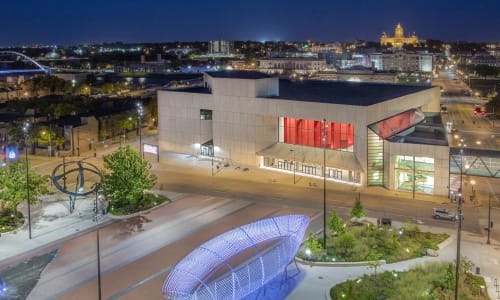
(237, 262)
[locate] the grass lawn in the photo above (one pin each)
(429, 281)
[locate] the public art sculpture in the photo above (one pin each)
(238, 262)
(76, 173)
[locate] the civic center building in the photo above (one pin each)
(363, 134)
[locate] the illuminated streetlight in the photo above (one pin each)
(140, 112)
(459, 215)
(324, 139)
(26, 127)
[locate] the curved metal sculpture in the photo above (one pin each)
(77, 170)
(41, 68)
(238, 262)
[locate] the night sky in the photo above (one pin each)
(95, 21)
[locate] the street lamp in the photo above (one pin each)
(97, 205)
(140, 112)
(26, 128)
(459, 214)
(293, 165)
(324, 182)
(489, 220)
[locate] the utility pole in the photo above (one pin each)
(324, 183)
(489, 220)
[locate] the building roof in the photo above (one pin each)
(344, 92)
(238, 74)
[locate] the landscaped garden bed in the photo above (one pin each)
(434, 281)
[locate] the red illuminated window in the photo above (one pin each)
(310, 133)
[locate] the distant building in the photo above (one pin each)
(398, 40)
(221, 47)
(325, 47)
(493, 49)
(402, 61)
(154, 66)
(484, 59)
(291, 65)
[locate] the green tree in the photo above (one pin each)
(374, 260)
(312, 243)
(13, 186)
(125, 179)
(357, 211)
(336, 224)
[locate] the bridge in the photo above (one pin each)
(12, 62)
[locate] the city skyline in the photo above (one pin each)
(130, 21)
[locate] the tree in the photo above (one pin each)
(336, 224)
(357, 211)
(374, 260)
(313, 244)
(13, 186)
(126, 178)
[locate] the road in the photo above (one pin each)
(137, 253)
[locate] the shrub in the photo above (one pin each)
(357, 211)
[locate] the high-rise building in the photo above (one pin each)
(221, 47)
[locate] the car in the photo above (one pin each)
(444, 109)
(443, 213)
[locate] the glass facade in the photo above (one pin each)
(475, 165)
(414, 174)
(375, 159)
(309, 169)
(339, 136)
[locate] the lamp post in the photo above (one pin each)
(26, 127)
(489, 220)
(324, 183)
(140, 112)
(459, 215)
(98, 202)
(293, 164)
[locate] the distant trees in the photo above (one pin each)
(46, 85)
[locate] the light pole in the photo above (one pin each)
(26, 134)
(324, 183)
(98, 202)
(489, 220)
(212, 158)
(459, 215)
(140, 112)
(293, 164)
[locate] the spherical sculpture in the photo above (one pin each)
(237, 262)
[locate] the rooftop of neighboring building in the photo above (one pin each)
(344, 92)
(238, 74)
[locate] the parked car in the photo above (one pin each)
(443, 213)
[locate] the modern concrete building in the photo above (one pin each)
(402, 61)
(365, 134)
(288, 65)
